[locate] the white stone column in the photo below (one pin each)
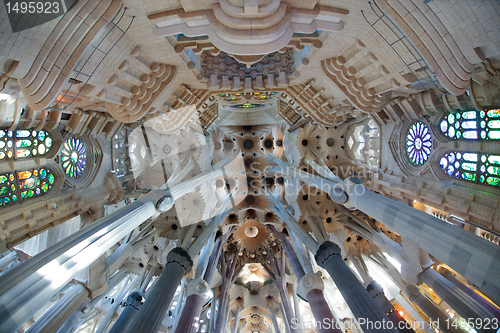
(51, 320)
(27, 287)
(475, 258)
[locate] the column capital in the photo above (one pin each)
(199, 287)
(375, 289)
(325, 251)
(309, 282)
(181, 257)
(135, 300)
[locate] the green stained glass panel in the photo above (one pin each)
(51, 178)
(494, 123)
(469, 176)
(3, 190)
(23, 152)
(45, 187)
(27, 194)
(23, 143)
(493, 181)
(494, 170)
(469, 115)
(469, 166)
(494, 113)
(494, 159)
(23, 133)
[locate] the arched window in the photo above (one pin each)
(475, 167)
(472, 125)
(24, 144)
(21, 185)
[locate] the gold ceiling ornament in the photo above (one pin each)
(251, 235)
(330, 217)
(311, 201)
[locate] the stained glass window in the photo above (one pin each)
(418, 143)
(74, 157)
(24, 144)
(472, 125)
(247, 106)
(21, 185)
(475, 167)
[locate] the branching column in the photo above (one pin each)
(198, 289)
(278, 275)
(312, 287)
(229, 275)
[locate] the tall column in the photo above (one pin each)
(278, 275)
(229, 275)
(462, 303)
(132, 306)
(322, 312)
(431, 310)
(377, 293)
(150, 316)
(198, 290)
(26, 288)
(51, 320)
(368, 314)
(487, 305)
(475, 258)
(311, 285)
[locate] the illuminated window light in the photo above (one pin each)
(253, 278)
